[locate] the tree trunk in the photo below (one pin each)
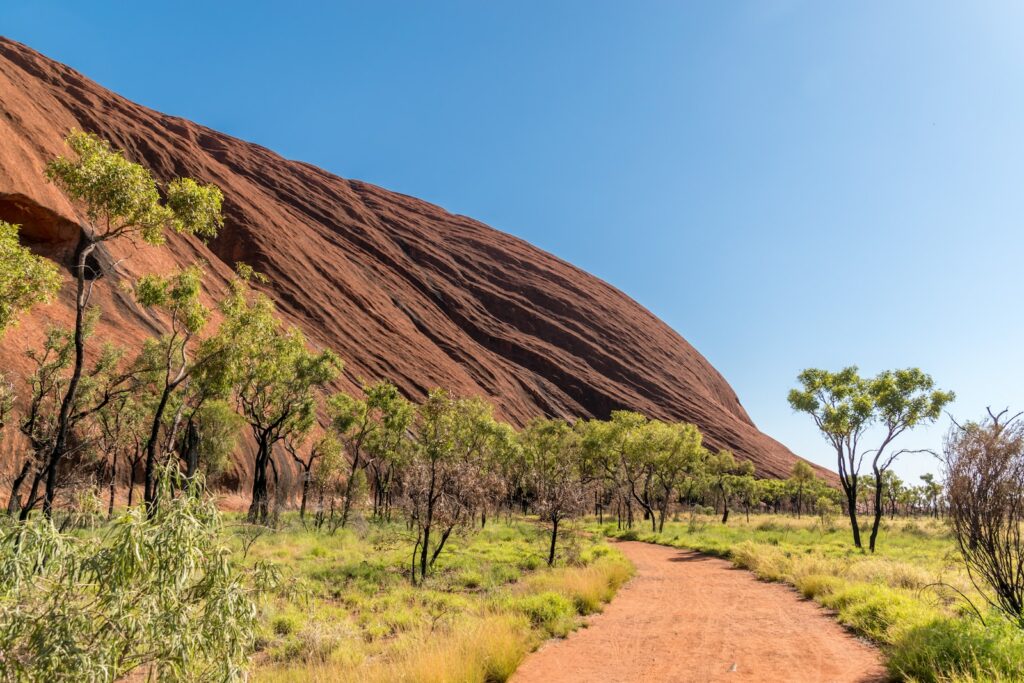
(554, 539)
(851, 508)
(113, 485)
(348, 488)
(149, 492)
(14, 502)
(258, 508)
(878, 511)
(33, 496)
(191, 450)
(64, 416)
(305, 493)
(424, 552)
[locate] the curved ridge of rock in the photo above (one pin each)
(400, 288)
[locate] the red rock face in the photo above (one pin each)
(400, 288)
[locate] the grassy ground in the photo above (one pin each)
(905, 597)
(345, 610)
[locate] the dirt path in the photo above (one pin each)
(689, 617)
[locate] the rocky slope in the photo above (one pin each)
(400, 288)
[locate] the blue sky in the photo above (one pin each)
(788, 184)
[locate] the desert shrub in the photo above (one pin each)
(588, 588)
(550, 611)
(481, 650)
(813, 586)
(827, 510)
(985, 482)
(158, 593)
(959, 649)
(471, 579)
(890, 573)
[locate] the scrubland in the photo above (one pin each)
(345, 611)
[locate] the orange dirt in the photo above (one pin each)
(690, 617)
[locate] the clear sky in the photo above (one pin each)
(786, 183)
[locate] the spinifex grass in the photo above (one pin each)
(910, 597)
(346, 610)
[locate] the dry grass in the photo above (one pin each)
(348, 613)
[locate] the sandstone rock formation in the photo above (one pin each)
(400, 288)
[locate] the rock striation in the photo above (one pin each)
(400, 288)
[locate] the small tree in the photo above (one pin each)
(985, 486)
(442, 483)
(892, 486)
(930, 491)
(170, 362)
(727, 476)
(676, 454)
(845, 406)
(275, 377)
(550, 449)
(327, 447)
(801, 479)
(100, 385)
(121, 201)
(25, 279)
(369, 425)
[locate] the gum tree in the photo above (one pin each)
(676, 454)
(25, 279)
(551, 449)
(122, 202)
(801, 478)
(442, 482)
(170, 361)
(276, 378)
(845, 406)
(368, 425)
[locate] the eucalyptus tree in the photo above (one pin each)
(801, 478)
(373, 425)
(101, 383)
(122, 200)
(326, 447)
(275, 377)
(551, 451)
(845, 406)
(123, 429)
(727, 476)
(25, 279)
(930, 491)
(601, 465)
(169, 362)
(442, 483)
(892, 487)
(676, 453)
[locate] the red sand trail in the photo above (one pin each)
(690, 617)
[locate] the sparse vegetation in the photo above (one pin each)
(345, 610)
(443, 544)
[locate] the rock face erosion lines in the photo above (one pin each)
(401, 289)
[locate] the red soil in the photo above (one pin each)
(690, 617)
